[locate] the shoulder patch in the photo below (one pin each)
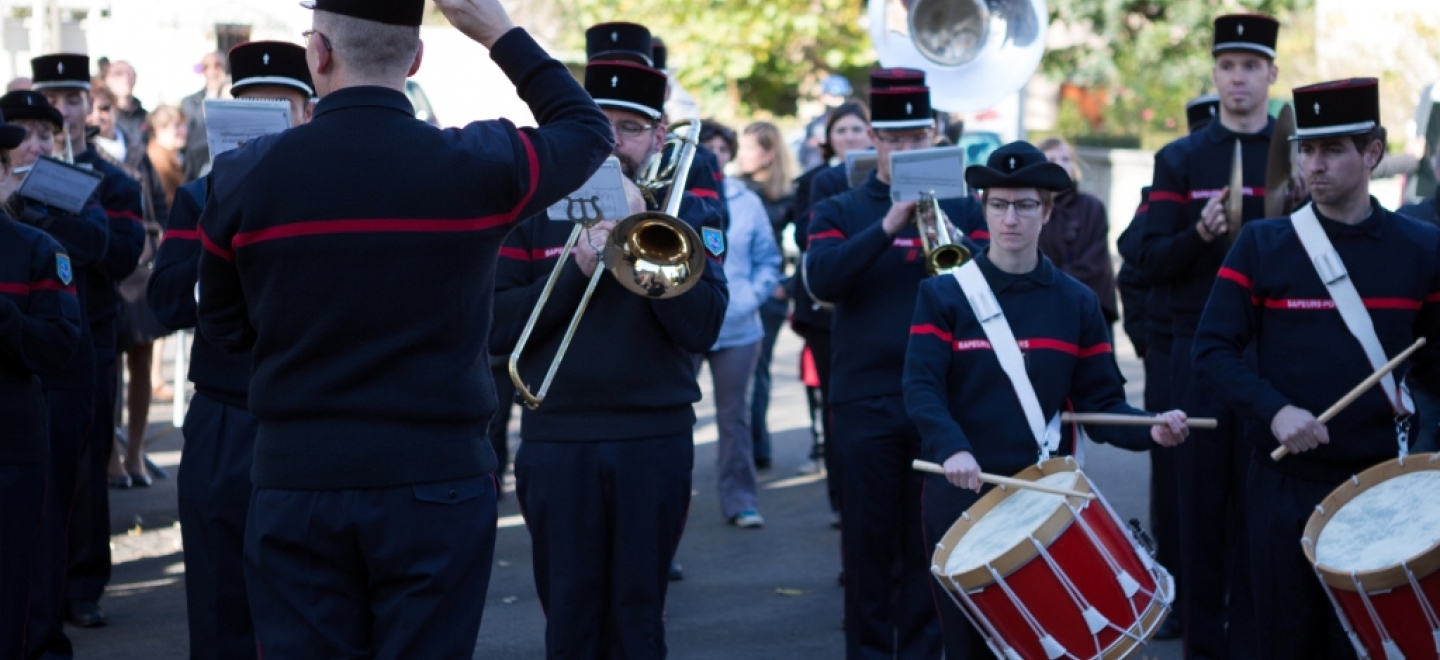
(62, 268)
(714, 240)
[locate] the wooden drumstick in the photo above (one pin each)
(1354, 394)
(935, 468)
(1117, 419)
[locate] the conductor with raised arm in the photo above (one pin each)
(364, 295)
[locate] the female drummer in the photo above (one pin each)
(962, 400)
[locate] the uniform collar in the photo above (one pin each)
(1216, 132)
(360, 97)
(874, 187)
(1043, 274)
(1372, 226)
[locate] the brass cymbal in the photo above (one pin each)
(1279, 165)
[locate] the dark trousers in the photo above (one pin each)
(500, 423)
(22, 500)
(819, 343)
(214, 498)
(381, 573)
(889, 608)
(772, 317)
(1164, 494)
(1211, 465)
(605, 519)
(1294, 617)
(943, 503)
(69, 424)
(89, 565)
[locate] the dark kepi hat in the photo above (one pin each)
(1255, 33)
(626, 86)
(1340, 107)
(391, 12)
(1201, 110)
(629, 42)
(899, 100)
(60, 71)
(1018, 165)
(658, 53)
(257, 63)
(26, 104)
(10, 135)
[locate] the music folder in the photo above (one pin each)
(230, 123)
(939, 172)
(858, 166)
(600, 198)
(58, 184)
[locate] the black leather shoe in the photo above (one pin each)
(85, 614)
(676, 573)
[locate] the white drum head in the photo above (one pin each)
(1391, 522)
(1009, 524)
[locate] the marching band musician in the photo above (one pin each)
(213, 485)
(1186, 237)
(40, 322)
(967, 420)
(864, 256)
(603, 473)
(372, 526)
(1272, 296)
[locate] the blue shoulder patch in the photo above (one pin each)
(62, 269)
(714, 240)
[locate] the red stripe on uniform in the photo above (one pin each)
(1050, 344)
(1236, 277)
(534, 177)
(1142, 208)
(1434, 297)
(704, 192)
(1092, 351)
(1326, 303)
(514, 253)
(180, 235)
(980, 234)
(1164, 196)
(1032, 344)
(47, 285)
(833, 233)
(15, 288)
(928, 329)
(376, 226)
(123, 214)
(212, 248)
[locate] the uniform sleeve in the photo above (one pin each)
(573, 138)
(519, 281)
(835, 262)
(84, 236)
(824, 187)
(43, 334)
(1227, 326)
(171, 289)
(693, 319)
(1170, 243)
(704, 182)
(222, 315)
(926, 376)
(1425, 366)
(1096, 384)
(121, 198)
(1133, 286)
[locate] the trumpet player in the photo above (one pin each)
(603, 472)
(865, 257)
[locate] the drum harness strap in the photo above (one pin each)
(1331, 270)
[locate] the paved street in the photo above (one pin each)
(747, 594)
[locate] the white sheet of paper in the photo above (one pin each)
(939, 171)
(858, 166)
(230, 123)
(63, 186)
(604, 192)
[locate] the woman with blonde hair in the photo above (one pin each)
(1077, 238)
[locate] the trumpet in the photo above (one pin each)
(939, 239)
(652, 253)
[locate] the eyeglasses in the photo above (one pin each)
(1026, 207)
(632, 129)
(324, 40)
(917, 139)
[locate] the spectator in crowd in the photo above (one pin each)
(21, 84)
(768, 168)
(752, 269)
(1077, 238)
(833, 93)
(129, 113)
(196, 154)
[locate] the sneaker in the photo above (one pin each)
(748, 519)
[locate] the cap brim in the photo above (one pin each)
(277, 81)
(11, 136)
(1359, 128)
(47, 113)
(1044, 176)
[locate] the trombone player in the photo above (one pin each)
(603, 472)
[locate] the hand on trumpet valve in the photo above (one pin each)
(591, 246)
(1173, 431)
(1212, 223)
(962, 471)
(898, 217)
(1298, 430)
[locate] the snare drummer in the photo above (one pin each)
(954, 382)
(1269, 295)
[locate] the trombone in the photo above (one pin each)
(939, 239)
(651, 253)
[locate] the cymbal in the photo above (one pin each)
(1279, 164)
(1235, 200)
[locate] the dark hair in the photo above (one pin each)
(711, 129)
(849, 108)
(1363, 140)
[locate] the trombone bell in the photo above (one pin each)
(655, 255)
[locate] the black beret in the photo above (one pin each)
(61, 71)
(1340, 107)
(391, 12)
(1018, 165)
(26, 104)
(269, 63)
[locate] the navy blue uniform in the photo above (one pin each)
(829, 182)
(812, 321)
(1268, 295)
(603, 470)
(371, 452)
(214, 481)
(1427, 403)
(1188, 173)
(872, 279)
(89, 554)
(954, 391)
(39, 330)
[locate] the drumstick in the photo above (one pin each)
(1354, 394)
(1117, 419)
(935, 468)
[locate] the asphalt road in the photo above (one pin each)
(749, 594)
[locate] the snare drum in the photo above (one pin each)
(1375, 544)
(1044, 576)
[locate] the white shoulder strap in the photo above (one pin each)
(1347, 300)
(1007, 350)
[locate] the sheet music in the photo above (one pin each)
(230, 123)
(61, 185)
(939, 171)
(604, 192)
(858, 166)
